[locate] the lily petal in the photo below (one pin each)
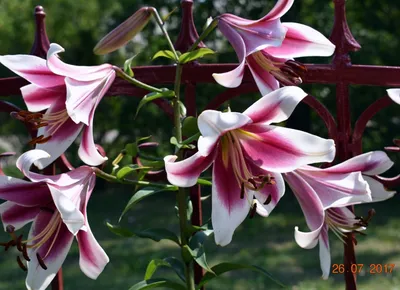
(280, 149)
(92, 258)
(81, 73)
(378, 191)
(213, 124)
(33, 69)
(302, 40)
(394, 94)
(228, 209)
(280, 9)
(38, 99)
(70, 213)
(38, 278)
(83, 97)
(16, 215)
(186, 172)
(23, 192)
(233, 78)
(371, 163)
(324, 252)
(337, 189)
(312, 208)
(277, 106)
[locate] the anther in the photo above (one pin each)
(269, 198)
(40, 124)
(24, 113)
(35, 140)
(44, 140)
(41, 262)
(19, 244)
(296, 66)
(287, 70)
(20, 264)
(25, 252)
(33, 117)
(242, 190)
(252, 181)
(371, 213)
(253, 211)
(10, 229)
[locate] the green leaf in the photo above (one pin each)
(189, 126)
(164, 53)
(153, 234)
(189, 210)
(157, 283)
(226, 267)
(195, 54)
(128, 66)
(197, 249)
(153, 96)
(170, 262)
(124, 171)
(204, 182)
(143, 193)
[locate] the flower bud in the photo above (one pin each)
(124, 32)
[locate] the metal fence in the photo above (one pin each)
(341, 72)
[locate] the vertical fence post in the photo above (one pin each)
(345, 42)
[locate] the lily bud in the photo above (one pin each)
(124, 32)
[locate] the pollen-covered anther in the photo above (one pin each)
(268, 200)
(253, 183)
(242, 189)
(25, 252)
(20, 264)
(253, 210)
(39, 140)
(296, 66)
(41, 262)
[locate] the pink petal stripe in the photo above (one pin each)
(281, 149)
(265, 82)
(16, 215)
(33, 69)
(277, 106)
(371, 163)
(302, 40)
(228, 209)
(37, 277)
(23, 192)
(38, 99)
(312, 208)
(186, 172)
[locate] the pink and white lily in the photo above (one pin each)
(269, 46)
(324, 193)
(57, 207)
(69, 94)
(248, 154)
(394, 94)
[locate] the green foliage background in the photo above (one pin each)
(78, 25)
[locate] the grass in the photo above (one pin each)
(265, 242)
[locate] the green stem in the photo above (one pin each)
(160, 23)
(204, 34)
(177, 113)
(137, 83)
(111, 178)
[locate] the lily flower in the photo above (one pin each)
(269, 46)
(248, 154)
(394, 94)
(324, 193)
(57, 207)
(69, 94)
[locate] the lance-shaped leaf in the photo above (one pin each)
(196, 54)
(196, 249)
(153, 234)
(226, 267)
(128, 66)
(124, 171)
(153, 96)
(143, 193)
(124, 32)
(170, 262)
(157, 283)
(164, 53)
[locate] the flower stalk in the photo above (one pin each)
(204, 34)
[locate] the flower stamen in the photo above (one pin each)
(20, 264)
(41, 262)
